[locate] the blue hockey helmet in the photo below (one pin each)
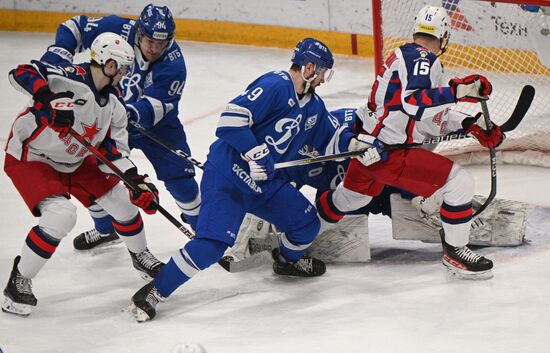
(156, 22)
(311, 50)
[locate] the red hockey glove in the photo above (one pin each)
(146, 197)
(472, 88)
(60, 106)
(476, 126)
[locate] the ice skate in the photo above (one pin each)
(92, 239)
(144, 303)
(305, 267)
(18, 293)
(464, 263)
(146, 263)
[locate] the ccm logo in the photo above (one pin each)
(66, 104)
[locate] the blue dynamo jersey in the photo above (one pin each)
(269, 112)
(152, 91)
(327, 175)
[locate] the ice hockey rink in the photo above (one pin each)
(402, 301)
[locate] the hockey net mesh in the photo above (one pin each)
(496, 40)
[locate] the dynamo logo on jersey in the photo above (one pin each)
(339, 177)
(130, 86)
(290, 128)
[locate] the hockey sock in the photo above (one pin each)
(169, 279)
(289, 251)
(38, 248)
(197, 255)
(456, 222)
(132, 233)
(326, 209)
(103, 222)
(188, 198)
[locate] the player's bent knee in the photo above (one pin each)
(307, 233)
(205, 252)
(58, 216)
(117, 203)
(459, 188)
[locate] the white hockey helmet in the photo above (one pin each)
(110, 46)
(434, 21)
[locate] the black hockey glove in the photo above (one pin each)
(60, 106)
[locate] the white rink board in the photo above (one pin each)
(401, 302)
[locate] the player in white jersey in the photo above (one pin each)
(47, 165)
(152, 93)
(409, 102)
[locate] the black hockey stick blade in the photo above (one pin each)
(524, 102)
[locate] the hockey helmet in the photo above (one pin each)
(110, 46)
(156, 22)
(434, 21)
(310, 50)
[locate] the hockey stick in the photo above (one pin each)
(128, 181)
(493, 161)
(527, 95)
(522, 106)
(189, 234)
(165, 144)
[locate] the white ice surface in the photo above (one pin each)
(400, 302)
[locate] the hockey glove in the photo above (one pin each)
(476, 126)
(472, 88)
(60, 106)
(374, 150)
(147, 197)
(260, 162)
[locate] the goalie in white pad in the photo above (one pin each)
(502, 223)
(346, 241)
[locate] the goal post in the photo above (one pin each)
(504, 40)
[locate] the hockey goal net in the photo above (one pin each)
(509, 42)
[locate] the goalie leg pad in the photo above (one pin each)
(345, 241)
(502, 223)
(251, 238)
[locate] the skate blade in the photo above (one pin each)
(469, 275)
(20, 309)
(102, 248)
(138, 314)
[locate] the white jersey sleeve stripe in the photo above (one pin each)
(158, 109)
(72, 25)
(232, 121)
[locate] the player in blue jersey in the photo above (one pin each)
(152, 92)
(273, 119)
(408, 103)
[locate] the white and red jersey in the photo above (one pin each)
(100, 117)
(408, 101)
